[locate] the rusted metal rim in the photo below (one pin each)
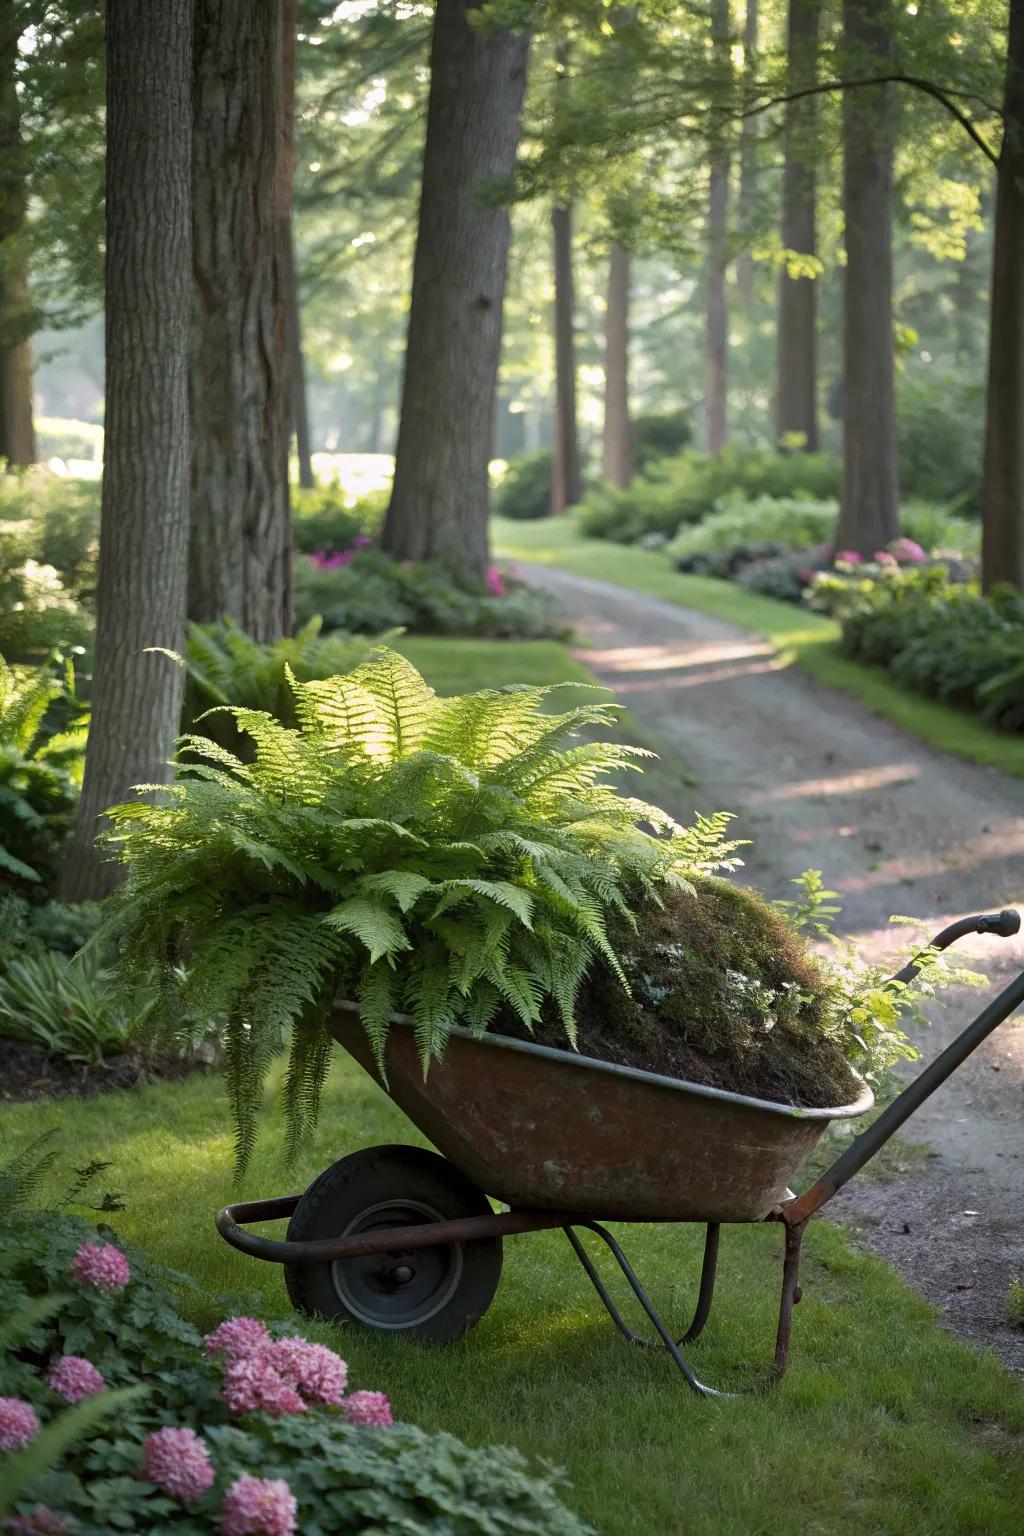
(860, 1105)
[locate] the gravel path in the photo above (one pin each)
(897, 828)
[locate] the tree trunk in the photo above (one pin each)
(869, 514)
(797, 402)
(240, 552)
(140, 598)
(440, 494)
(566, 483)
(618, 432)
(297, 370)
(1002, 501)
(716, 339)
(748, 168)
(17, 430)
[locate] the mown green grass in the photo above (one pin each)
(807, 639)
(884, 1423)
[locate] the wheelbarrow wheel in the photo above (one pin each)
(433, 1294)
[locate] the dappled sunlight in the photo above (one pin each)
(641, 669)
(858, 782)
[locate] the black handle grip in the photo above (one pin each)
(1003, 924)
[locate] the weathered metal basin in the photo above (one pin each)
(533, 1126)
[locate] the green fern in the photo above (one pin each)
(443, 858)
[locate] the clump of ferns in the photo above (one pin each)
(445, 858)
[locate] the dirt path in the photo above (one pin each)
(897, 828)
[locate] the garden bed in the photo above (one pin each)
(27, 1072)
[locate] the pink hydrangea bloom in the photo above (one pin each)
(39, 1522)
(18, 1423)
(495, 581)
(259, 1506)
(368, 1408)
(73, 1378)
(908, 550)
(237, 1337)
(883, 557)
(314, 1370)
(101, 1265)
(252, 1385)
(363, 541)
(848, 557)
(177, 1460)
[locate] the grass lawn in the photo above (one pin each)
(808, 639)
(884, 1424)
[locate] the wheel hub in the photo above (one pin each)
(402, 1289)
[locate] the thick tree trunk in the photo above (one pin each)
(240, 552)
(17, 431)
(1002, 504)
(140, 599)
(797, 402)
(869, 515)
(566, 482)
(618, 433)
(297, 370)
(716, 336)
(439, 499)
(747, 210)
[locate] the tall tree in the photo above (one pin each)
(1002, 547)
(17, 431)
(716, 318)
(617, 458)
(288, 278)
(796, 401)
(566, 481)
(140, 597)
(439, 498)
(747, 199)
(869, 512)
(240, 551)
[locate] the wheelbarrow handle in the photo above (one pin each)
(1003, 924)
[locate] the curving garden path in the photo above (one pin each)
(896, 827)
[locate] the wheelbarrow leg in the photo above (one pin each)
(791, 1294)
(669, 1343)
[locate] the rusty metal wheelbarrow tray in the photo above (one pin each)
(542, 1128)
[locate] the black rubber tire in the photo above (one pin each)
(451, 1284)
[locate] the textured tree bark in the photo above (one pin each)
(140, 597)
(439, 499)
(796, 412)
(240, 552)
(17, 430)
(869, 512)
(1002, 502)
(747, 199)
(566, 482)
(617, 461)
(716, 334)
(297, 371)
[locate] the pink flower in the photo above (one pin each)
(368, 1408)
(177, 1461)
(101, 1265)
(363, 541)
(18, 1423)
(40, 1522)
(73, 1378)
(236, 1337)
(252, 1384)
(883, 557)
(495, 581)
(908, 550)
(848, 557)
(314, 1370)
(258, 1506)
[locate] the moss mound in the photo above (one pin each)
(724, 993)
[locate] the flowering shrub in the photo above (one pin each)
(193, 1455)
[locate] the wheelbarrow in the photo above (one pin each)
(404, 1241)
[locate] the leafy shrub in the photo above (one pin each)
(70, 1008)
(370, 593)
(686, 489)
(937, 636)
(38, 791)
(323, 519)
(224, 666)
(181, 1457)
(28, 928)
(56, 521)
(659, 435)
(785, 577)
(736, 525)
(941, 429)
(525, 488)
(442, 857)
